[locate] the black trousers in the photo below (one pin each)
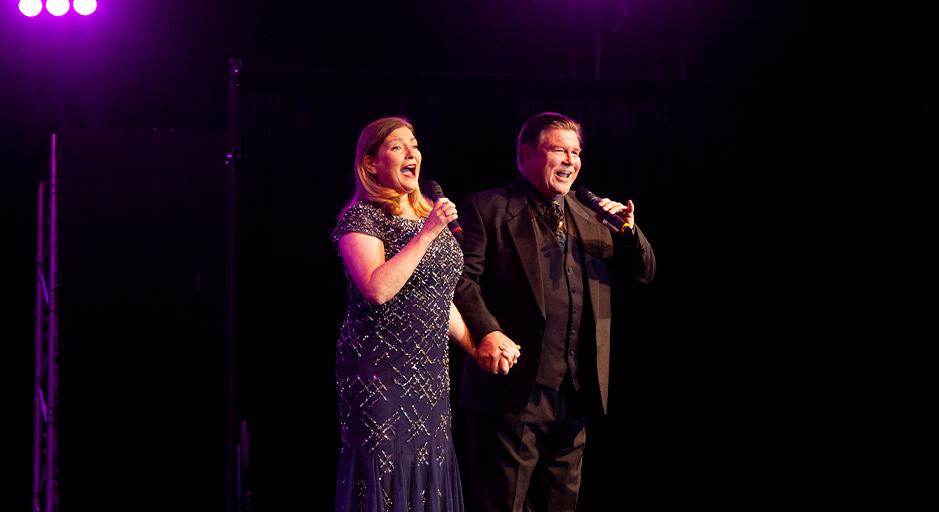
(531, 461)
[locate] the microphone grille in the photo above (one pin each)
(584, 195)
(432, 189)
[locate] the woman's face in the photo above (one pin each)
(397, 162)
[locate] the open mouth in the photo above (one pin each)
(563, 174)
(409, 170)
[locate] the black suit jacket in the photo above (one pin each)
(501, 289)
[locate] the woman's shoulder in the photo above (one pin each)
(361, 217)
(362, 209)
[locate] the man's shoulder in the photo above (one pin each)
(499, 195)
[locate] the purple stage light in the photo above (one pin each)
(85, 7)
(30, 7)
(57, 7)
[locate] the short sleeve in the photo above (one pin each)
(361, 217)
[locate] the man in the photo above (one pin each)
(538, 269)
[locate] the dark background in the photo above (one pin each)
(745, 131)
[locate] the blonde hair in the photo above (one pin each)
(367, 187)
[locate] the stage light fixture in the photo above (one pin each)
(30, 7)
(57, 7)
(85, 7)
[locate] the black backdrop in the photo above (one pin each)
(722, 390)
(142, 312)
(693, 394)
(728, 390)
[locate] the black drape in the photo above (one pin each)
(705, 164)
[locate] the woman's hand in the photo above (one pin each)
(443, 213)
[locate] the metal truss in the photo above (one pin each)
(46, 374)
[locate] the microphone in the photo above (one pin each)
(432, 189)
(591, 200)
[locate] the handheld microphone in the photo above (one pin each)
(432, 189)
(591, 200)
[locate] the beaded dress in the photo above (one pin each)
(392, 376)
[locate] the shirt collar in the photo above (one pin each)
(536, 198)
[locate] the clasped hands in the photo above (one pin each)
(496, 353)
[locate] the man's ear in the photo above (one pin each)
(526, 152)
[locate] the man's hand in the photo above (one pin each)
(496, 353)
(626, 211)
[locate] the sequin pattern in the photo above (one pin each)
(392, 376)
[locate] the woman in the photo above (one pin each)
(391, 359)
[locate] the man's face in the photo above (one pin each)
(552, 167)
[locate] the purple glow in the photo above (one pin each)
(85, 7)
(30, 7)
(57, 7)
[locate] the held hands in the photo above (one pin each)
(626, 211)
(496, 353)
(443, 213)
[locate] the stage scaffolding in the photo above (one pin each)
(45, 383)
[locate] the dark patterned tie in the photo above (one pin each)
(554, 216)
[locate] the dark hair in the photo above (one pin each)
(535, 126)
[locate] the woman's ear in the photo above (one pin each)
(369, 165)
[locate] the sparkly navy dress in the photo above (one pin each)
(392, 375)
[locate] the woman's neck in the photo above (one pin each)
(407, 211)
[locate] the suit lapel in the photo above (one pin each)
(522, 230)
